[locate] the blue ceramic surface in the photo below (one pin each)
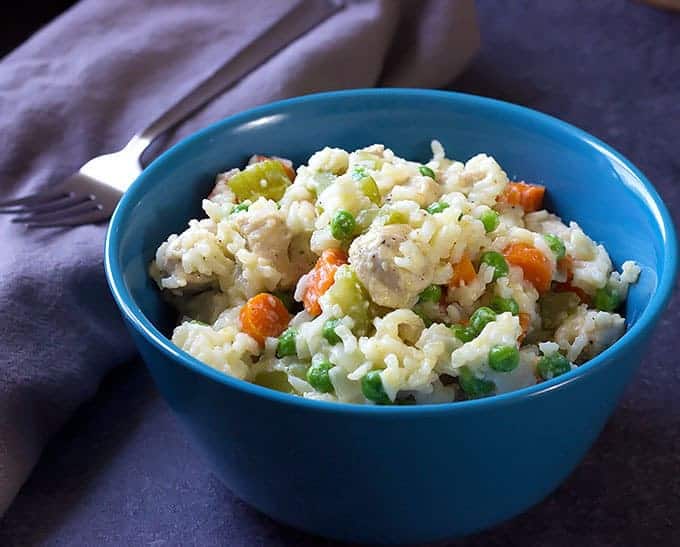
(395, 474)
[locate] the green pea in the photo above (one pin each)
(497, 262)
(372, 388)
(473, 386)
(463, 333)
(437, 207)
(502, 305)
(606, 299)
(426, 171)
(490, 220)
(550, 366)
(240, 207)
(432, 294)
(503, 358)
(328, 331)
(343, 225)
(556, 245)
(481, 318)
(318, 378)
(286, 345)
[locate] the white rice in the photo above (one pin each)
(212, 268)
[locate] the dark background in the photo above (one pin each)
(121, 473)
(24, 18)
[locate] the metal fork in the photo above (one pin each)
(90, 195)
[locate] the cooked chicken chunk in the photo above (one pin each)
(302, 258)
(268, 237)
(393, 268)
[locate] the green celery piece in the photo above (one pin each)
(369, 188)
(396, 217)
(556, 307)
(323, 180)
(369, 160)
(275, 379)
(348, 293)
(365, 218)
(248, 183)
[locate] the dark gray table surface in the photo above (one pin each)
(123, 473)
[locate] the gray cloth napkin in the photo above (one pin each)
(81, 87)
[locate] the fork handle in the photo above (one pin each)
(304, 15)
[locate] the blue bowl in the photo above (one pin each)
(395, 474)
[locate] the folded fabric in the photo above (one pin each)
(81, 87)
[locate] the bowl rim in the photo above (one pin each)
(136, 318)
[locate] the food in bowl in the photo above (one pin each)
(363, 277)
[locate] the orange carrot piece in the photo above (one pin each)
(338, 257)
(536, 266)
(463, 272)
(525, 323)
(527, 196)
(321, 277)
(264, 315)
